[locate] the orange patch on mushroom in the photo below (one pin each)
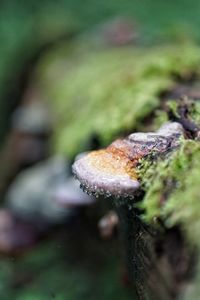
(113, 160)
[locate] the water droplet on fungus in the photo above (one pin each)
(112, 171)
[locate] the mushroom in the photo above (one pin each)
(112, 172)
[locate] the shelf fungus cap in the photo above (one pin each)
(105, 173)
(112, 171)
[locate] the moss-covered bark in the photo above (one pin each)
(114, 91)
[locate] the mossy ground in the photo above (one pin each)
(109, 92)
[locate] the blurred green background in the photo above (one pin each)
(27, 25)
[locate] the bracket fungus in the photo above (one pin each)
(112, 172)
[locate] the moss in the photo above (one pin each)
(193, 109)
(195, 112)
(172, 190)
(173, 107)
(172, 193)
(110, 91)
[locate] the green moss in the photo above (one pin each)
(110, 91)
(195, 112)
(173, 106)
(193, 108)
(172, 193)
(172, 189)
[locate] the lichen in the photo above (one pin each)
(108, 92)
